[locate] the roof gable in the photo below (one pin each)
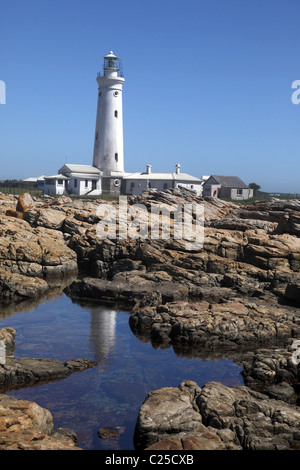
(228, 181)
(73, 168)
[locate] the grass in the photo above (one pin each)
(262, 199)
(21, 190)
(18, 190)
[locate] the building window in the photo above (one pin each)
(86, 183)
(116, 113)
(60, 182)
(116, 157)
(75, 183)
(132, 185)
(149, 184)
(49, 182)
(192, 186)
(165, 185)
(239, 192)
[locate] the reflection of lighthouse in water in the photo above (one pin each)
(103, 332)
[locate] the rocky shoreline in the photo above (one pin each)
(240, 294)
(215, 417)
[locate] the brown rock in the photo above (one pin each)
(34, 251)
(25, 202)
(17, 287)
(206, 440)
(110, 432)
(24, 425)
(228, 418)
(229, 324)
(14, 213)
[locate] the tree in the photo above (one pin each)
(255, 187)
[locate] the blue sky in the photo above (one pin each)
(207, 85)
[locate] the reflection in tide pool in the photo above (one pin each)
(103, 333)
(111, 393)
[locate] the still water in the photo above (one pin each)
(111, 393)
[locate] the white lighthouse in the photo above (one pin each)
(108, 147)
(107, 174)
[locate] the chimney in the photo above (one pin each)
(177, 169)
(148, 169)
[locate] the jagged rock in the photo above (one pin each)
(27, 371)
(24, 425)
(17, 287)
(239, 290)
(25, 202)
(282, 391)
(50, 218)
(14, 213)
(271, 366)
(130, 291)
(66, 434)
(34, 251)
(215, 417)
(7, 335)
(228, 324)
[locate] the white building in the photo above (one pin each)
(56, 184)
(136, 183)
(230, 187)
(74, 179)
(106, 174)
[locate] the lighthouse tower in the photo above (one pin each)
(108, 146)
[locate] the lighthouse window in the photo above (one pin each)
(96, 135)
(116, 157)
(116, 113)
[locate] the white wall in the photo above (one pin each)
(211, 190)
(78, 190)
(246, 194)
(109, 128)
(54, 188)
(141, 184)
(192, 186)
